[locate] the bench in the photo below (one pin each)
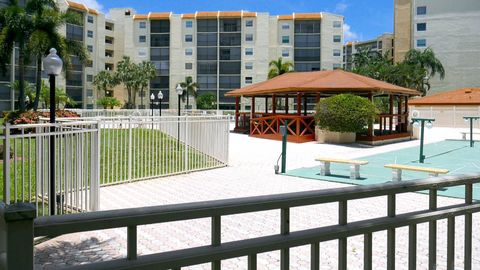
(464, 134)
(397, 170)
(354, 166)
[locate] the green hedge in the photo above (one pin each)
(345, 113)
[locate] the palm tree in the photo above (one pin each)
(146, 72)
(278, 67)
(427, 61)
(127, 74)
(46, 19)
(16, 29)
(190, 87)
(103, 81)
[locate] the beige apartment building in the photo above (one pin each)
(450, 28)
(382, 44)
(221, 50)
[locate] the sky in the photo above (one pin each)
(364, 19)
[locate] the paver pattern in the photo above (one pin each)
(251, 173)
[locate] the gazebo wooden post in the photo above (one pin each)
(399, 112)
(317, 98)
(370, 126)
(299, 103)
(274, 104)
(390, 119)
(305, 105)
(266, 104)
(286, 104)
(405, 129)
(237, 110)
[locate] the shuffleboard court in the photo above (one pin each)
(455, 155)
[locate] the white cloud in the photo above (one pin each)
(92, 4)
(348, 34)
(341, 7)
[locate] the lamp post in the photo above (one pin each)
(52, 64)
(160, 97)
(179, 90)
(421, 122)
(152, 99)
(471, 119)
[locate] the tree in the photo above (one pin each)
(104, 80)
(29, 92)
(16, 30)
(61, 97)
(190, 87)
(134, 77)
(109, 102)
(146, 72)
(427, 61)
(278, 67)
(206, 101)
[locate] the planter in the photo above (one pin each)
(324, 136)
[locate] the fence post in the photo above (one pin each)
(95, 171)
(186, 143)
(16, 231)
(6, 165)
(129, 148)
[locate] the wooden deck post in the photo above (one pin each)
(370, 126)
(266, 104)
(286, 104)
(317, 98)
(399, 112)
(390, 119)
(237, 110)
(305, 105)
(274, 104)
(252, 113)
(406, 113)
(299, 103)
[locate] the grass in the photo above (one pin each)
(153, 153)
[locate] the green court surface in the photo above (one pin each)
(456, 156)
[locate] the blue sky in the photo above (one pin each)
(364, 19)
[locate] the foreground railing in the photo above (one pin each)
(21, 227)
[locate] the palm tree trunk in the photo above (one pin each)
(129, 92)
(188, 107)
(21, 78)
(38, 83)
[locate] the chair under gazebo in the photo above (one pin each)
(307, 88)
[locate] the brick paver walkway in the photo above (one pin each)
(251, 173)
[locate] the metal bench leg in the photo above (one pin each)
(433, 174)
(396, 175)
(324, 168)
(464, 136)
(354, 171)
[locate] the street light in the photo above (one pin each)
(471, 119)
(52, 64)
(152, 99)
(179, 93)
(421, 122)
(160, 97)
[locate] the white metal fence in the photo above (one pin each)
(26, 165)
(146, 112)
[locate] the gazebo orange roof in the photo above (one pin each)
(320, 81)
(465, 96)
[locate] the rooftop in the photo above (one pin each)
(464, 96)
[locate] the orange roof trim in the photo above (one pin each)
(159, 15)
(77, 6)
(248, 14)
(307, 16)
(93, 11)
(140, 17)
(285, 17)
(463, 96)
(207, 14)
(188, 16)
(230, 14)
(335, 81)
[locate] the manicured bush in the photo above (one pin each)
(345, 113)
(109, 102)
(206, 101)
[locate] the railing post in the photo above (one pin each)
(367, 251)
(285, 229)
(6, 164)
(95, 170)
(315, 256)
(432, 232)
(412, 247)
(186, 143)
(391, 234)
(130, 148)
(468, 229)
(16, 231)
(216, 238)
(132, 242)
(342, 242)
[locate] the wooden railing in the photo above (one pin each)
(299, 128)
(393, 122)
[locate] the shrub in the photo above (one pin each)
(206, 101)
(345, 113)
(109, 102)
(32, 117)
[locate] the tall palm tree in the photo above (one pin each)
(278, 67)
(190, 87)
(46, 19)
(16, 29)
(427, 61)
(146, 72)
(127, 74)
(103, 81)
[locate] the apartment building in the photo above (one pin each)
(450, 29)
(382, 44)
(220, 50)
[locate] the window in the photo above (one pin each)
(207, 67)
(207, 53)
(307, 41)
(337, 38)
(207, 25)
(285, 39)
(142, 53)
(336, 53)
(90, 19)
(230, 39)
(248, 51)
(188, 65)
(188, 38)
(337, 24)
(307, 55)
(421, 26)
(337, 66)
(160, 26)
(142, 25)
(142, 39)
(249, 23)
(90, 34)
(207, 39)
(90, 48)
(285, 53)
(233, 53)
(188, 51)
(158, 54)
(248, 80)
(89, 78)
(159, 40)
(207, 81)
(421, 42)
(285, 26)
(89, 91)
(229, 82)
(249, 37)
(249, 65)
(230, 25)
(421, 10)
(189, 24)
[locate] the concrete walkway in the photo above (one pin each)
(251, 173)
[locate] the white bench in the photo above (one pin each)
(464, 134)
(397, 170)
(354, 166)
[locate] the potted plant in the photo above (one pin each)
(339, 118)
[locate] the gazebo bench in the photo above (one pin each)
(354, 166)
(398, 168)
(464, 134)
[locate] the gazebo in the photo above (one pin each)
(306, 89)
